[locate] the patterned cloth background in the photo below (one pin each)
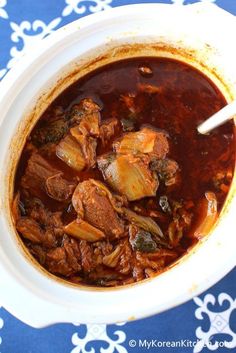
(207, 323)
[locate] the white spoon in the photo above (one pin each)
(219, 118)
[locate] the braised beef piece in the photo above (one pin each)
(87, 144)
(47, 219)
(38, 252)
(56, 262)
(125, 264)
(32, 231)
(108, 129)
(40, 176)
(64, 260)
(86, 105)
(93, 204)
(86, 256)
(58, 188)
(40, 226)
(87, 115)
(36, 173)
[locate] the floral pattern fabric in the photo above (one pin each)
(206, 323)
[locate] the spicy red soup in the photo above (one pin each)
(114, 183)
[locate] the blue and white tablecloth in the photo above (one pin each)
(206, 323)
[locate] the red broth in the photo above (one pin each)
(80, 167)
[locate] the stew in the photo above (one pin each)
(114, 183)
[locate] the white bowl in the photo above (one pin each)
(202, 35)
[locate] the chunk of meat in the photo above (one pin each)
(100, 250)
(126, 260)
(59, 188)
(50, 221)
(64, 260)
(145, 262)
(96, 206)
(56, 262)
(38, 170)
(107, 129)
(147, 141)
(38, 252)
(138, 272)
(89, 124)
(73, 253)
(129, 175)
(55, 222)
(87, 115)
(150, 264)
(32, 231)
(87, 144)
(86, 105)
(86, 256)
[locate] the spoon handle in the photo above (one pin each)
(219, 118)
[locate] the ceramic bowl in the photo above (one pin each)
(201, 35)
